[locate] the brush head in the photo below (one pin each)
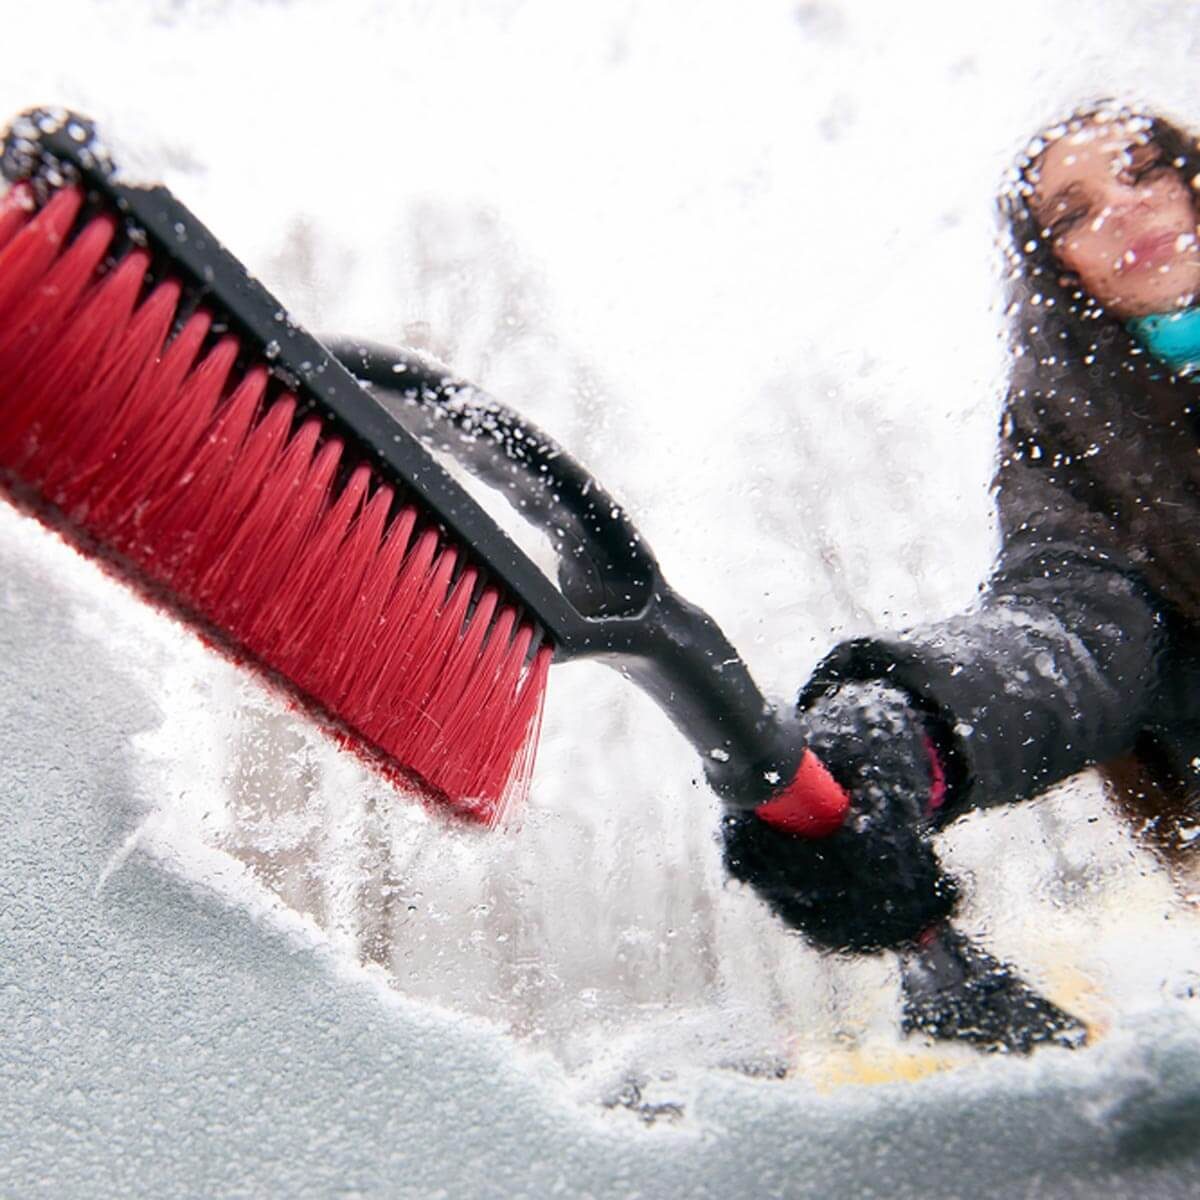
(160, 408)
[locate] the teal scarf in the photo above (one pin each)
(1173, 338)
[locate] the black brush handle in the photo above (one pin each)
(604, 568)
(672, 649)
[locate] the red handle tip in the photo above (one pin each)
(813, 805)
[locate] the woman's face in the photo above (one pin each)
(1120, 218)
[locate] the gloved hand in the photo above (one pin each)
(874, 883)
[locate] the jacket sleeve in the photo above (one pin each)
(1054, 669)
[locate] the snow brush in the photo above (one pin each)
(162, 410)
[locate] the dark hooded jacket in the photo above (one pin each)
(1085, 646)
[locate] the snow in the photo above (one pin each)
(742, 264)
(167, 1037)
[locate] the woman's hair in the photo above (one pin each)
(1098, 439)
(1060, 335)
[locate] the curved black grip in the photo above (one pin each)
(604, 568)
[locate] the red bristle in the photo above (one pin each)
(172, 518)
(18, 353)
(463, 720)
(517, 747)
(463, 656)
(221, 520)
(434, 659)
(176, 408)
(126, 371)
(280, 526)
(320, 562)
(507, 686)
(512, 746)
(475, 719)
(416, 640)
(176, 461)
(279, 561)
(50, 304)
(29, 254)
(373, 674)
(322, 635)
(493, 738)
(117, 352)
(73, 437)
(15, 207)
(233, 579)
(334, 642)
(489, 734)
(389, 545)
(152, 448)
(35, 395)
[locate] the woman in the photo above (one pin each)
(1085, 647)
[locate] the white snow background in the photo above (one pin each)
(741, 261)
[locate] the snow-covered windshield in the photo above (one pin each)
(743, 264)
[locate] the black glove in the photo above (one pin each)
(876, 882)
